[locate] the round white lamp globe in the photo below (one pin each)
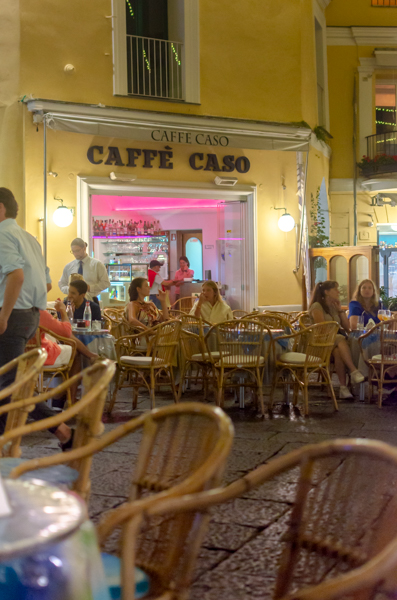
(286, 222)
(393, 227)
(62, 216)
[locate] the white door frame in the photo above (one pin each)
(87, 186)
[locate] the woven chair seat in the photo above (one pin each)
(297, 358)
(56, 475)
(241, 361)
(140, 361)
(378, 357)
(199, 356)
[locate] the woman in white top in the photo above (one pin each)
(210, 305)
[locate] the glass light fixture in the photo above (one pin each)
(63, 216)
(393, 227)
(286, 222)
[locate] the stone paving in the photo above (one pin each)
(239, 555)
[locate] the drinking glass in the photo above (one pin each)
(360, 323)
(382, 315)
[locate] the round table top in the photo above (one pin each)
(81, 331)
(41, 514)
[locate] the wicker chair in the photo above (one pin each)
(311, 353)
(272, 321)
(114, 319)
(49, 372)
(242, 349)
(305, 320)
(184, 304)
(195, 361)
(161, 354)
(278, 313)
(88, 415)
(385, 362)
(183, 450)
(28, 368)
(340, 540)
(239, 314)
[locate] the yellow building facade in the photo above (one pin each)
(242, 85)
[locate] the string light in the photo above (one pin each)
(384, 123)
(386, 140)
(146, 61)
(393, 110)
(175, 54)
(130, 9)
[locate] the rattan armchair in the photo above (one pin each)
(27, 368)
(272, 321)
(339, 542)
(114, 319)
(51, 371)
(239, 314)
(87, 413)
(305, 320)
(311, 353)
(184, 449)
(145, 371)
(242, 350)
(184, 304)
(384, 363)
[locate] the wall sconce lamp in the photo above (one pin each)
(286, 222)
(63, 216)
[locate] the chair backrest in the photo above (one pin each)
(191, 344)
(184, 304)
(305, 320)
(388, 339)
(241, 343)
(278, 313)
(165, 344)
(272, 321)
(87, 413)
(28, 368)
(239, 314)
(184, 448)
(317, 342)
(114, 318)
(340, 539)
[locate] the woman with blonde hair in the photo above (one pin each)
(365, 302)
(210, 305)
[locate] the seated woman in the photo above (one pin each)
(210, 305)
(325, 306)
(141, 313)
(365, 302)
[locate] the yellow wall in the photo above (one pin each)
(276, 250)
(257, 58)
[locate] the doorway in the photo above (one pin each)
(192, 247)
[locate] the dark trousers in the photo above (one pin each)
(21, 327)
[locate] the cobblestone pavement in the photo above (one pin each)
(230, 565)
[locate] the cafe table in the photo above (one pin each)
(100, 341)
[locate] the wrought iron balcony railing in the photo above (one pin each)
(381, 154)
(155, 68)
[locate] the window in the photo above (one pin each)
(385, 97)
(156, 49)
(384, 3)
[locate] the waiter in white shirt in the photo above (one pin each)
(92, 269)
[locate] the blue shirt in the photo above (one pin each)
(20, 250)
(356, 310)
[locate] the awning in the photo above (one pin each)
(170, 128)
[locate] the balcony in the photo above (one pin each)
(155, 68)
(381, 155)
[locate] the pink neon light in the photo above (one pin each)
(168, 207)
(230, 238)
(122, 237)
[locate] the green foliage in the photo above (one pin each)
(389, 302)
(322, 134)
(317, 237)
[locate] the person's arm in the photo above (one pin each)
(131, 316)
(353, 322)
(317, 314)
(162, 296)
(344, 321)
(95, 312)
(48, 279)
(102, 282)
(62, 327)
(63, 283)
(197, 307)
(13, 287)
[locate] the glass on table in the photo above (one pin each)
(360, 323)
(382, 315)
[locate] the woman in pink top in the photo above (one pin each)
(184, 272)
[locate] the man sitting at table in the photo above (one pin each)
(77, 291)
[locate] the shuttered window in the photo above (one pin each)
(384, 3)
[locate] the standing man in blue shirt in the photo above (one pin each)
(23, 287)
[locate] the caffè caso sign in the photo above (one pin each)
(187, 137)
(163, 159)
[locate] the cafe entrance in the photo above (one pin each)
(139, 221)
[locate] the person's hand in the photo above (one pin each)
(3, 325)
(178, 282)
(88, 287)
(59, 306)
(201, 298)
(162, 296)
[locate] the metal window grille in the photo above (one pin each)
(154, 67)
(384, 3)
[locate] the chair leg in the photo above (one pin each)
(116, 389)
(305, 392)
(152, 388)
(260, 392)
(380, 386)
(331, 389)
(274, 384)
(219, 401)
(175, 393)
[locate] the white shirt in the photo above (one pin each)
(20, 250)
(156, 286)
(94, 273)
